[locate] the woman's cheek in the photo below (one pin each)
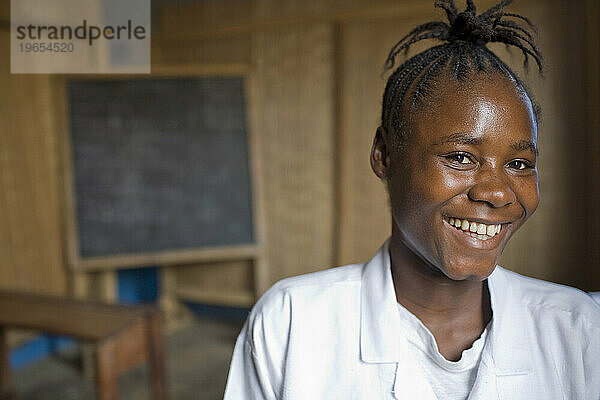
(529, 194)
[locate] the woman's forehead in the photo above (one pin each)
(485, 108)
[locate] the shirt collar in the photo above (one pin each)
(380, 330)
(509, 338)
(381, 338)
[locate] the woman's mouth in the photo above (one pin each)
(474, 229)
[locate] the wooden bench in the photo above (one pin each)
(120, 336)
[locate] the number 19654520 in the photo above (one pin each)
(46, 47)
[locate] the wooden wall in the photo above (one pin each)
(31, 256)
(295, 67)
(592, 64)
(314, 95)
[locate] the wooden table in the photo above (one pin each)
(121, 336)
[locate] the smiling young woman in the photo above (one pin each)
(432, 316)
(463, 181)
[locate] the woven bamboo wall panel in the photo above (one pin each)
(224, 51)
(30, 237)
(593, 142)
(5, 11)
(292, 97)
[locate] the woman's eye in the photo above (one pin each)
(518, 164)
(459, 158)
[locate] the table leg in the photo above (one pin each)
(106, 372)
(156, 353)
(88, 360)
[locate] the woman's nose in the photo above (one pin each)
(493, 190)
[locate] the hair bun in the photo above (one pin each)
(469, 28)
(492, 25)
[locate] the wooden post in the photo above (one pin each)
(107, 281)
(168, 301)
(80, 285)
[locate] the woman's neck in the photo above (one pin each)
(456, 312)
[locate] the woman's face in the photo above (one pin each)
(466, 178)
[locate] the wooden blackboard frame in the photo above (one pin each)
(253, 252)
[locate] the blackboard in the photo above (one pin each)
(159, 164)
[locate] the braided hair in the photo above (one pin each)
(463, 54)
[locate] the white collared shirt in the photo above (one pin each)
(336, 334)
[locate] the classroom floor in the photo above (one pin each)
(198, 359)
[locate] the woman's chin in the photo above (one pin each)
(468, 270)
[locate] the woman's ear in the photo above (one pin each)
(380, 154)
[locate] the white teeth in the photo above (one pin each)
(478, 236)
(474, 229)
